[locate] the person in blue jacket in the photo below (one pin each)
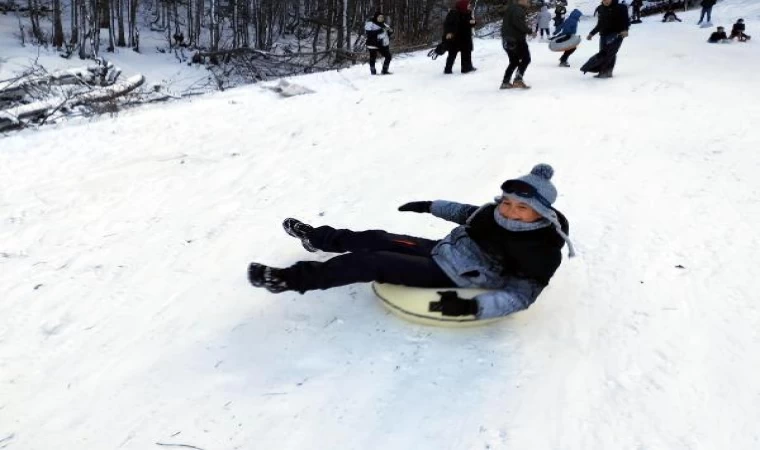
(511, 246)
(568, 29)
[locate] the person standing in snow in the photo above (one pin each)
(707, 6)
(514, 30)
(511, 246)
(559, 16)
(457, 34)
(568, 30)
(612, 28)
(636, 10)
(542, 24)
(737, 31)
(378, 41)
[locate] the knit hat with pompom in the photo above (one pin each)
(540, 179)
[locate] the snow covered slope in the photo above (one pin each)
(127, 320)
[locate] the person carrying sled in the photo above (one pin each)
(511, 246)
(544, 19)
(378, 41)
(737, 31)
(457, 34)
(718, 36)
(707, 6)
(514, 30)
(568, 30)
(612, 27)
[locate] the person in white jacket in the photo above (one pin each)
(378, 41)
(544, 19)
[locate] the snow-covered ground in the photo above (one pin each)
(127, 320)
(158, 68)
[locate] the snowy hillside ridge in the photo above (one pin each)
(128, 322)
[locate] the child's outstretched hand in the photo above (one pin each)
(418, 207)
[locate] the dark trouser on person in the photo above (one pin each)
(566, 54)
(545, 30)
(374, 255)
(465, 61)
(386, 53)
(519, 58)
(636, 14)
(609, 45)
(706, 11)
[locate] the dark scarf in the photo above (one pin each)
(534, 254)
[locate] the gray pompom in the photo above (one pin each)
(544, 171)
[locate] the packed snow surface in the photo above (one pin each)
(127, 320)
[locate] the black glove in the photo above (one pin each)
(452, 305)
(418, 207)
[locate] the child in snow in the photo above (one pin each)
(569, 29)
(511, 246)
(670, 15)
(738, 31)
(544, 18)
(378, 41)
(718, 36)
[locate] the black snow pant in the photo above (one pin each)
(465, 61)
(609, 45)
(519, 58)
(566, 54)
(373, 255)
(636, 13)
(385, 52)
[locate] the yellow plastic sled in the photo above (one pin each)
(411, 303)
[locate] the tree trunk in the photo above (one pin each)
(57, 25)
(120, 23)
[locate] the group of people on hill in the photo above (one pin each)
(737, 32)
(612, 27)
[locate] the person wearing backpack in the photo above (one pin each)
(378, 41)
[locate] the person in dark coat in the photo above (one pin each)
(511, 246)
(737, 31)
(636, 10)
(718, 36)
(514, 30)
(559, 16)
(612, 27)
(670, 15)
(457, 34)
(378, 41)
(707, 6)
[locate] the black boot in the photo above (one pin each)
(372, 70)
(267, 277)
(300, 230)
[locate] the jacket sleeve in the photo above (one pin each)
(519, 295)
(450, 23)
(452, 211)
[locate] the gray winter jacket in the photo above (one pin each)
(544, 18)
(469, 266)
